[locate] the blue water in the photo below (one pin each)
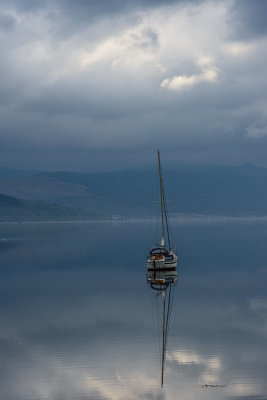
(78, 320)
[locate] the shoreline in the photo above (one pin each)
(188, 218)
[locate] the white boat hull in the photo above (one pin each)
(162, 271)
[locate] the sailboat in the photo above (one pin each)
(161, 269)
(162, 259)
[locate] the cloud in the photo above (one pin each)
(133, 386)
(7, 21)
(182, 82)
(208, 369)
(183, 357)
(247, 19)
(131, 51)
(246, 390)
(258, 305)
(105, 76)
(257, 131)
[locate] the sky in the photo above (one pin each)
(101, 84)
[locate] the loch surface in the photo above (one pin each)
(78, 320)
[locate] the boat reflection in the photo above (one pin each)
(68, 333)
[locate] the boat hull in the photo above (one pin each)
(161, 271)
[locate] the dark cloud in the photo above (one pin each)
(86, 81)
(148, 38)
(248, 397)
(248, 20)
(92, 7)
(71, 17)
(7, 22)
(24, 5)
(151, 396)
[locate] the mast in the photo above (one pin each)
(163, 338)
(161, 202)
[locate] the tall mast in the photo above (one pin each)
(163, 338)
(161, 202)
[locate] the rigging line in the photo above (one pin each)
(155, 333)
(155, 210)
(170, 229)
(163, 337)
(161, 197)
(170, 305)
(171, 299)
(173, 327)
(158, 320)
(166, 216)
(167, 223)
(168, 316)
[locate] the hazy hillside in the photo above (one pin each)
(220, 190)
(223, 190)
(14, 209)
(7, 173)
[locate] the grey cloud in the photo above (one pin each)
(23, 5)
(151, 396)
(53, 110)
(7, 22)
(248, 397)
(152, 36)
(72, 17)
(249, 19)
(91, 7)
(149, 38)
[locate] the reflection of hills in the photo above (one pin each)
(221, 190)
(7, 244)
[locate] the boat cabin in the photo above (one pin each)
(158, 250)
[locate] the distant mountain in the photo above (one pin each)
(191, 189)
(7, 173)
(220, 190)
(14, 209)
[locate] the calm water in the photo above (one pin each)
(79, 322)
